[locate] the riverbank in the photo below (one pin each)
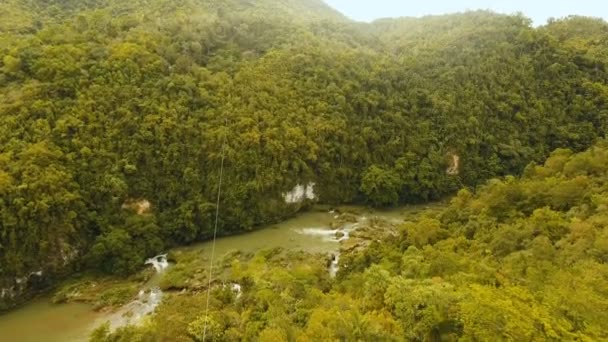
(311, 236)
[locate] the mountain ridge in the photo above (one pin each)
(109, 102)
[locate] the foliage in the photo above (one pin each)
(508, 262)
(381, 186)
(101, 292)
(110, 102)
(121, 250)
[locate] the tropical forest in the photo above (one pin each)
(272, 170)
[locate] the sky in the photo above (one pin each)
(538, 10)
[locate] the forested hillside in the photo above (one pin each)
(113, 115)
(519, 260)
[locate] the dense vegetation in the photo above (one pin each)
(519, 260)
(104, 103)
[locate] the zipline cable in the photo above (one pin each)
(217, 215)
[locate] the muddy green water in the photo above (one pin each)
(42, 321)
(289, 234)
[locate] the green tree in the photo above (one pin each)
(380, 186)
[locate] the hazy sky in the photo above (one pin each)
(538, 10)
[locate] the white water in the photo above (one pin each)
(331, 235)
(135, 311)
(147, 300)
(236, 289)
(326, 234)
(74, 321)
(334, 266)
(159, 262)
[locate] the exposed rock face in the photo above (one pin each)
(141, 206)
(18, 290)
(454, 168)
(300, 193)
(15, 290)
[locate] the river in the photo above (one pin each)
(40, 320)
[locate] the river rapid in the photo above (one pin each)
(39, 320)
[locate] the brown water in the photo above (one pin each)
(42, 321)
(296, 234)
